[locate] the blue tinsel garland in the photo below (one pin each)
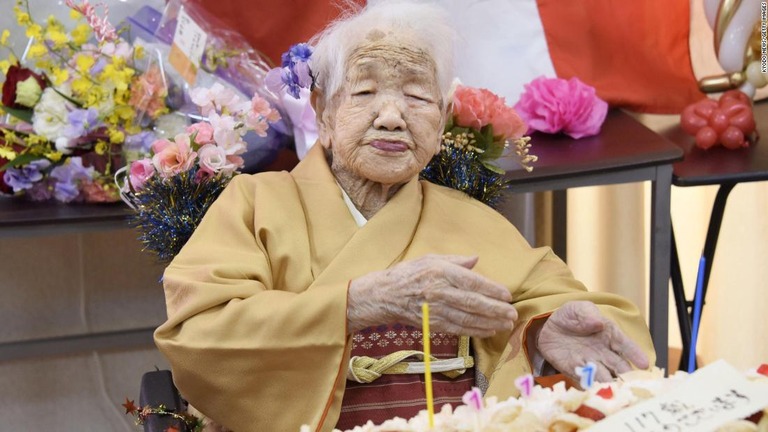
(169, 210)
(461, 169)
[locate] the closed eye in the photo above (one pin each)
(419, 97)
(362, 93)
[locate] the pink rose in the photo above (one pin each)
(478, 107)
(174, 156)
(553, 105)
(204, 132)
(160, 145)
(141, 171)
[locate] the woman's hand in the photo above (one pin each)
(578, 333)
(461, 301)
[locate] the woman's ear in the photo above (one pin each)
(317, 100)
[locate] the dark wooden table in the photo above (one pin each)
(625, 151)
(20, 217)
(716, 166)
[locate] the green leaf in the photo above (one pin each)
(76, 103)
(20, 160)
(493, 167)
(21, 114)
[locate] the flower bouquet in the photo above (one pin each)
(479, 132)
(172, 189)
(73, 104)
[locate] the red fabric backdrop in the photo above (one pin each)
(635, 53)
(271, 26)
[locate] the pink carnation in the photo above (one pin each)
(204, 132)
(141, 171)
(478, 107)
(173, 157)
(555, 105)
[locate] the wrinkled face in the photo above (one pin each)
(385, 122)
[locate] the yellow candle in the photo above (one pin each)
(427, 366)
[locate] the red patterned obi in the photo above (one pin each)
(399, 389)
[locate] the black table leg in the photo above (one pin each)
(681, 304)
(685, 307)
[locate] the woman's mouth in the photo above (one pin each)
(389, 146)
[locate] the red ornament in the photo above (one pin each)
(130, 408)
(728, 121)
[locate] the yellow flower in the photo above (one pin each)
(44, 63)
(7, 153)
(81, 85)
(37, 50)
(115, 136)
(21, 17)
(57, 37)
(93, 96)
(81, 33)
(34, 31)
(4, 37)
(59, 75)
(138, 52)
(84, 63)
(100, 148)
(53, 156)
(4, 66)
(75, 15)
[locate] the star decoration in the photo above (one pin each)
(129, 406)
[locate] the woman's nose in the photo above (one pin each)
(389, 117)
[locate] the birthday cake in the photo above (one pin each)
(715, 398)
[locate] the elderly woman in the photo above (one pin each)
(298, 298)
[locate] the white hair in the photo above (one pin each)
(426, 20)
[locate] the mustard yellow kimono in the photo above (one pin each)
(256, 331)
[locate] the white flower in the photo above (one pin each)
(225, 134)
(50, 115)
(217, 98)
(214, 159)
(63, 145)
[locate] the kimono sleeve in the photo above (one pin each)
(245, 351)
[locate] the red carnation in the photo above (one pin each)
(15, 75)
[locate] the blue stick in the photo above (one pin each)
(698, 300)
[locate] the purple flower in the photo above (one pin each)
(82, 121)
(42, 190)
(24, 177)
(140, 142)
(98, 66)
(68, 177)
(300, 52)
(294, 73)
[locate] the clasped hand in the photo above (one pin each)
(460, 301)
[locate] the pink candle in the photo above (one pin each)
(525, 385)
(473, 399)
